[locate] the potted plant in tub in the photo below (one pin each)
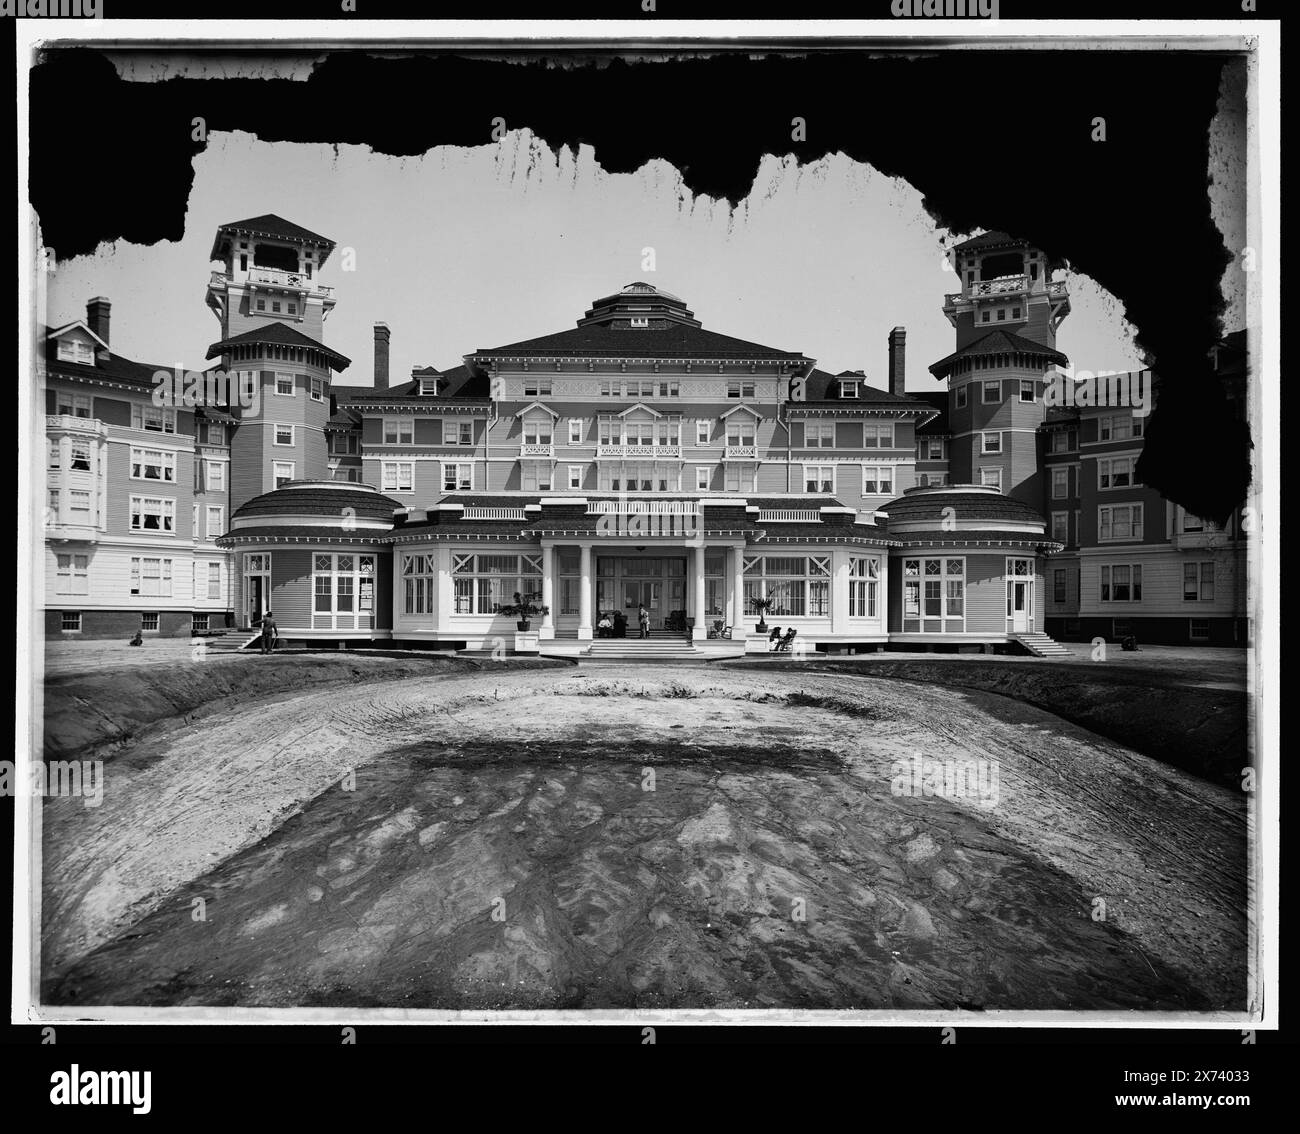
(523, 609)
(762, 605)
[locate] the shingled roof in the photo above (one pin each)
(937, 426)
(823, 389)
(107, 367)
(269, 224)
(280, 334)
(997, 342)
(677, 340)
(314, 498)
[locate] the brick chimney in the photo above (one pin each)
(381, 356)
(897, 360)
(97, 314)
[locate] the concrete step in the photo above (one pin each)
(232, 641)
(1040, 645)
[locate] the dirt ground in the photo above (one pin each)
(615, 836)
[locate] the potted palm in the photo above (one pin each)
(762, 606)
(522, 609)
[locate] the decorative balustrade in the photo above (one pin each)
(537, 449)
(644, 452)
(740, 452)
(1005, 285)
(494, 514)
(789, 516)
(67, 422)
(631, 507)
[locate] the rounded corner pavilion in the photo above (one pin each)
(312, 552)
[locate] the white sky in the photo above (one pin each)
(468, 248)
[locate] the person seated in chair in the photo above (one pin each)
(138, 640)
(774, 637)
(783, 646)
(605, 627)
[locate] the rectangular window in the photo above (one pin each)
(1060, 484)
(1198, 629)
(317, 390)
(282, 472)
(1061, 527)
(990, 442)
(864, 583)
(878, 435)
(284, 385)
(214, 580)
(153, 419)
(1198, 582)
(79, 501)
(216, 471)
(819, 478)
(702, 477)
(79, 458)
(73, 405)
(70, 620)
(149, 621)
(575, 431)
(992, 478)
(1119, 521)
(878, 480)
(457, 477)
(152, 514)
(151, 576)
(819, 434)
(537, 387)
(248, 385)
(992, 392)
(399, 430)
(284, 434)
(702, 431)
(484, 582)
(216, 521)
(1116, 472)
(1121, 583)
(1026, 391)
(146, 464)
(537, 433)
(740, 388)
(935, 450)
(1058, 586)
(575, 476)
(848, 389)
(199, 623)
(962, 394)
(73, 574)
(398, 476)
(261, 303)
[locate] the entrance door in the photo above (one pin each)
(254, 591)
(1018, 605)
(643, 592)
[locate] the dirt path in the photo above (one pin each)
(500, 847)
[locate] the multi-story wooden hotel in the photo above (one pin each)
(635, 459)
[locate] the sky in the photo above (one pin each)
(468, 248)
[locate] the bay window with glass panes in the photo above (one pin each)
(798, 585)
(864, 586)
(934, 595)
(343, 591)
(419, 583)
(481, 583)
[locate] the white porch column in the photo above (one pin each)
(738, 627)
(584, 594)
(839, 593)
(446, 592)
(701, 627)
(548, 592)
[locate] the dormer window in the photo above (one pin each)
(72, 350)
(429, 387)
(639, 321)
(848, 388)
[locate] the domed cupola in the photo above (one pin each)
(639, 307)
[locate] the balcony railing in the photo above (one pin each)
(634, 507)
(494, 514)
(81, 532)
(1057, 289)
(644, 452)
(740, 452)
(789, 516)
(537, 449)
(1002, 286)
(69, 423)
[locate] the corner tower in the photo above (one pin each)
(1005, 317)
(272, 307)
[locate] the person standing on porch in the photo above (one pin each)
(643, 617)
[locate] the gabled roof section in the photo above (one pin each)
(269, 224)
(822, 391)
(997, 342)
(459, 387)
(280, 334)
(675, 341)
(107, 367)
(75, 325)
(742, 406)
(537, 405)
(637, 406)
(937, 426)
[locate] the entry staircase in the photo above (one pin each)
(1041, 646)
(231, 641)
(662, 645)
